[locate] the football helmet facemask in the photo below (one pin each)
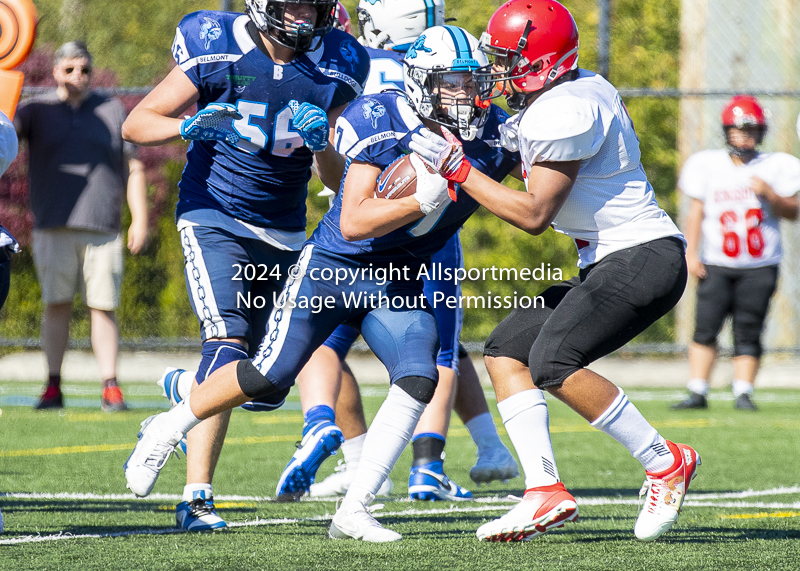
(268, 16)
(531, 44)
(395, 24)
(438, 73)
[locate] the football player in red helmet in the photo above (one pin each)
(533, 44)
(584, 178)
(341, 18)
(737, 197)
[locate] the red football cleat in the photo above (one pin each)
(541, 509)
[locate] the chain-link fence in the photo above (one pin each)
(724, 47)
(736, 46)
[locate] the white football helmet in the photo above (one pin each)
(395, 24)
(267, 15)
(438, 70)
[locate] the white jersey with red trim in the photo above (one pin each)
(612, 205)
(739, 229)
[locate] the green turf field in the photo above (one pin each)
(63, 496)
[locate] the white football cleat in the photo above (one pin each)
(149, 456)
(664, 494)
(353, 520)
(494, 464)
(339, 482)
(541, 509)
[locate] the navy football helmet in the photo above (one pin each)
(268, 16)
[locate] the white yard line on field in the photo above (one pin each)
(494, 504)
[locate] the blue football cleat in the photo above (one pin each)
(199, 515)
(321, 441)
(429, 482)
(169, 385)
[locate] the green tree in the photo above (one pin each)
(133, 40)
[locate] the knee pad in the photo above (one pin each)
(216, 354)
(420, 388)
(253, 383)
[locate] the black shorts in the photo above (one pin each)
(742, 293)
(594, 313)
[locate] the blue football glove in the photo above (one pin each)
(204, 126)
(312, 123)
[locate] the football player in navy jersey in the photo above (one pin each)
(388, 28)
(267, 86)
(382, 245)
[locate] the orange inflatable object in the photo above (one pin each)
(10, 90)
(17, 31)
(17, 34)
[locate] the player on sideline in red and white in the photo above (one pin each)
(582, 170)
(738, 196)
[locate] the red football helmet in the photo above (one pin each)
(533, 43)
(341, 19)
(743, 111)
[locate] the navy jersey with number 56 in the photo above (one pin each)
(377, 129)
(262, 179)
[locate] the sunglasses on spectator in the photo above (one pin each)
(84, 70)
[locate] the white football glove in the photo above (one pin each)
(431, 187)
(446, 154)
(509, 138)
(429, 146)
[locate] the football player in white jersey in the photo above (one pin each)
(582, 170)
(738, 196)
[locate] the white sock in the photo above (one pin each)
(699, 386)
(385, 440)
(527, 422)
(179, 418)
(623, 422)
(185, 383)
(741, 387)
(194, 491)
(484, 432)
(351, 449)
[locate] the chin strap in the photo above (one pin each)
(744, 154)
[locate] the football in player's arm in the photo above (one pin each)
(401, 329)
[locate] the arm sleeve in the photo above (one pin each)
(787, 179)
(184, 49)
(692, 181)
(564, 128)
(351, 85)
